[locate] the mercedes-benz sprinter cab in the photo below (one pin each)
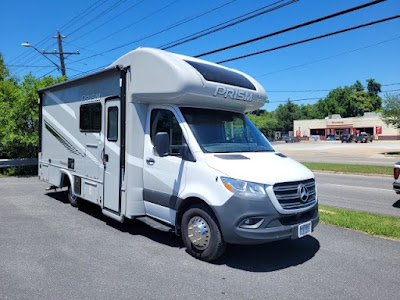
(164, 138)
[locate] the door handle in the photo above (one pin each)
(105, 159)
(150, 161)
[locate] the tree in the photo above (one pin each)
(20, 115)
(373, 87)
(4, 73)
(391, 110)
(285, 114)
(360, 102)
(265, 121)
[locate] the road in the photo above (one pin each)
(358, 192)
(342, 153)
(50, 250)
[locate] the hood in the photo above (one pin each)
(261, 167)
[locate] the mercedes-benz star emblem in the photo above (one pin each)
(302, 191)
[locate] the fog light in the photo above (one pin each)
(251, 223)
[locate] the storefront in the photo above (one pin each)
(333, 127)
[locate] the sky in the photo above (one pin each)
(104, 30)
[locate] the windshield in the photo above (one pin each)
(219, 131)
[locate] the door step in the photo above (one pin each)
(156, 224)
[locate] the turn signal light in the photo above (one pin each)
(396, 172)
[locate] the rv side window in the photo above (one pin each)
(90, 117)
(112, 124)
(165, 121)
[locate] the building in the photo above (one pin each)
(334, 126)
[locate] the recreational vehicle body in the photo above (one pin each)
(164, 138)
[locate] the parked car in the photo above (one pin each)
(396, 173)
(348, 138)
(291, 139)
(363, 138)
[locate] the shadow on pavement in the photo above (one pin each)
(254, 258)
(272, 256)
(397, 204)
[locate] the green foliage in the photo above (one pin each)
(264, 121)
(391, 110)
(349, 168)
(285, 114)
(19, 113)
(361, 221)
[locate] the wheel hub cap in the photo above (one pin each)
(199, 232)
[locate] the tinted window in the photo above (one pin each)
(221, 75)
(112, 123)
(165, 121)
(219, 131)
(90, 117)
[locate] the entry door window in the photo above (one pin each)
(165, 121)
(112, 121)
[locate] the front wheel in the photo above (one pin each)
(201, 234)
(72, 198)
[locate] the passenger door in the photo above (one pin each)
(111, 155)
(164, 177)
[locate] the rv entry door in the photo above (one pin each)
(111, 155)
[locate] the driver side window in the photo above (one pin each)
(164, 121)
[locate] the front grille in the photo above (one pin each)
(288, 195)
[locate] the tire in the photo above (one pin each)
(74, 200)
(200, 221)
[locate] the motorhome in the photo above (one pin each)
(164, 138)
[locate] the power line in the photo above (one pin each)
(109, 20)
(310, 39)
(292, 28)
(321, 90)
(315, 98)
(82, 14)
(326, 58)
(131, 24)
(101, 14)
(226, 24)
(65, 26)
(175, 25)
(179, 23)
(27, 66)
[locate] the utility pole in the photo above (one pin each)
(60, 53)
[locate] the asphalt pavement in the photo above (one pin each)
(50, 250)
(341, 153)
(358, 192)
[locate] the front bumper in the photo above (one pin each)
(276, 226)
(396, 187)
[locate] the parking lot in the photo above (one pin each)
(50, 250)
(345, 153)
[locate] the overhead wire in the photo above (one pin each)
(101, 14)
(346, 11)
(309, 40)
(232, 22)
(326, 58)
(108, 21)
(179, 23)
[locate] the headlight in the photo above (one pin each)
(235, 185)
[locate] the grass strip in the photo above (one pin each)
(347, 168)
(362, 221)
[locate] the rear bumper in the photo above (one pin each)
(396, 187)
(275, 226)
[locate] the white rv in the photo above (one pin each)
(163, 138)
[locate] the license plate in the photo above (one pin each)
(304, 229)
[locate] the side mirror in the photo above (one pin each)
(161, 143)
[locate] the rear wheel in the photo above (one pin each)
(72, 198)
(201, 234)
